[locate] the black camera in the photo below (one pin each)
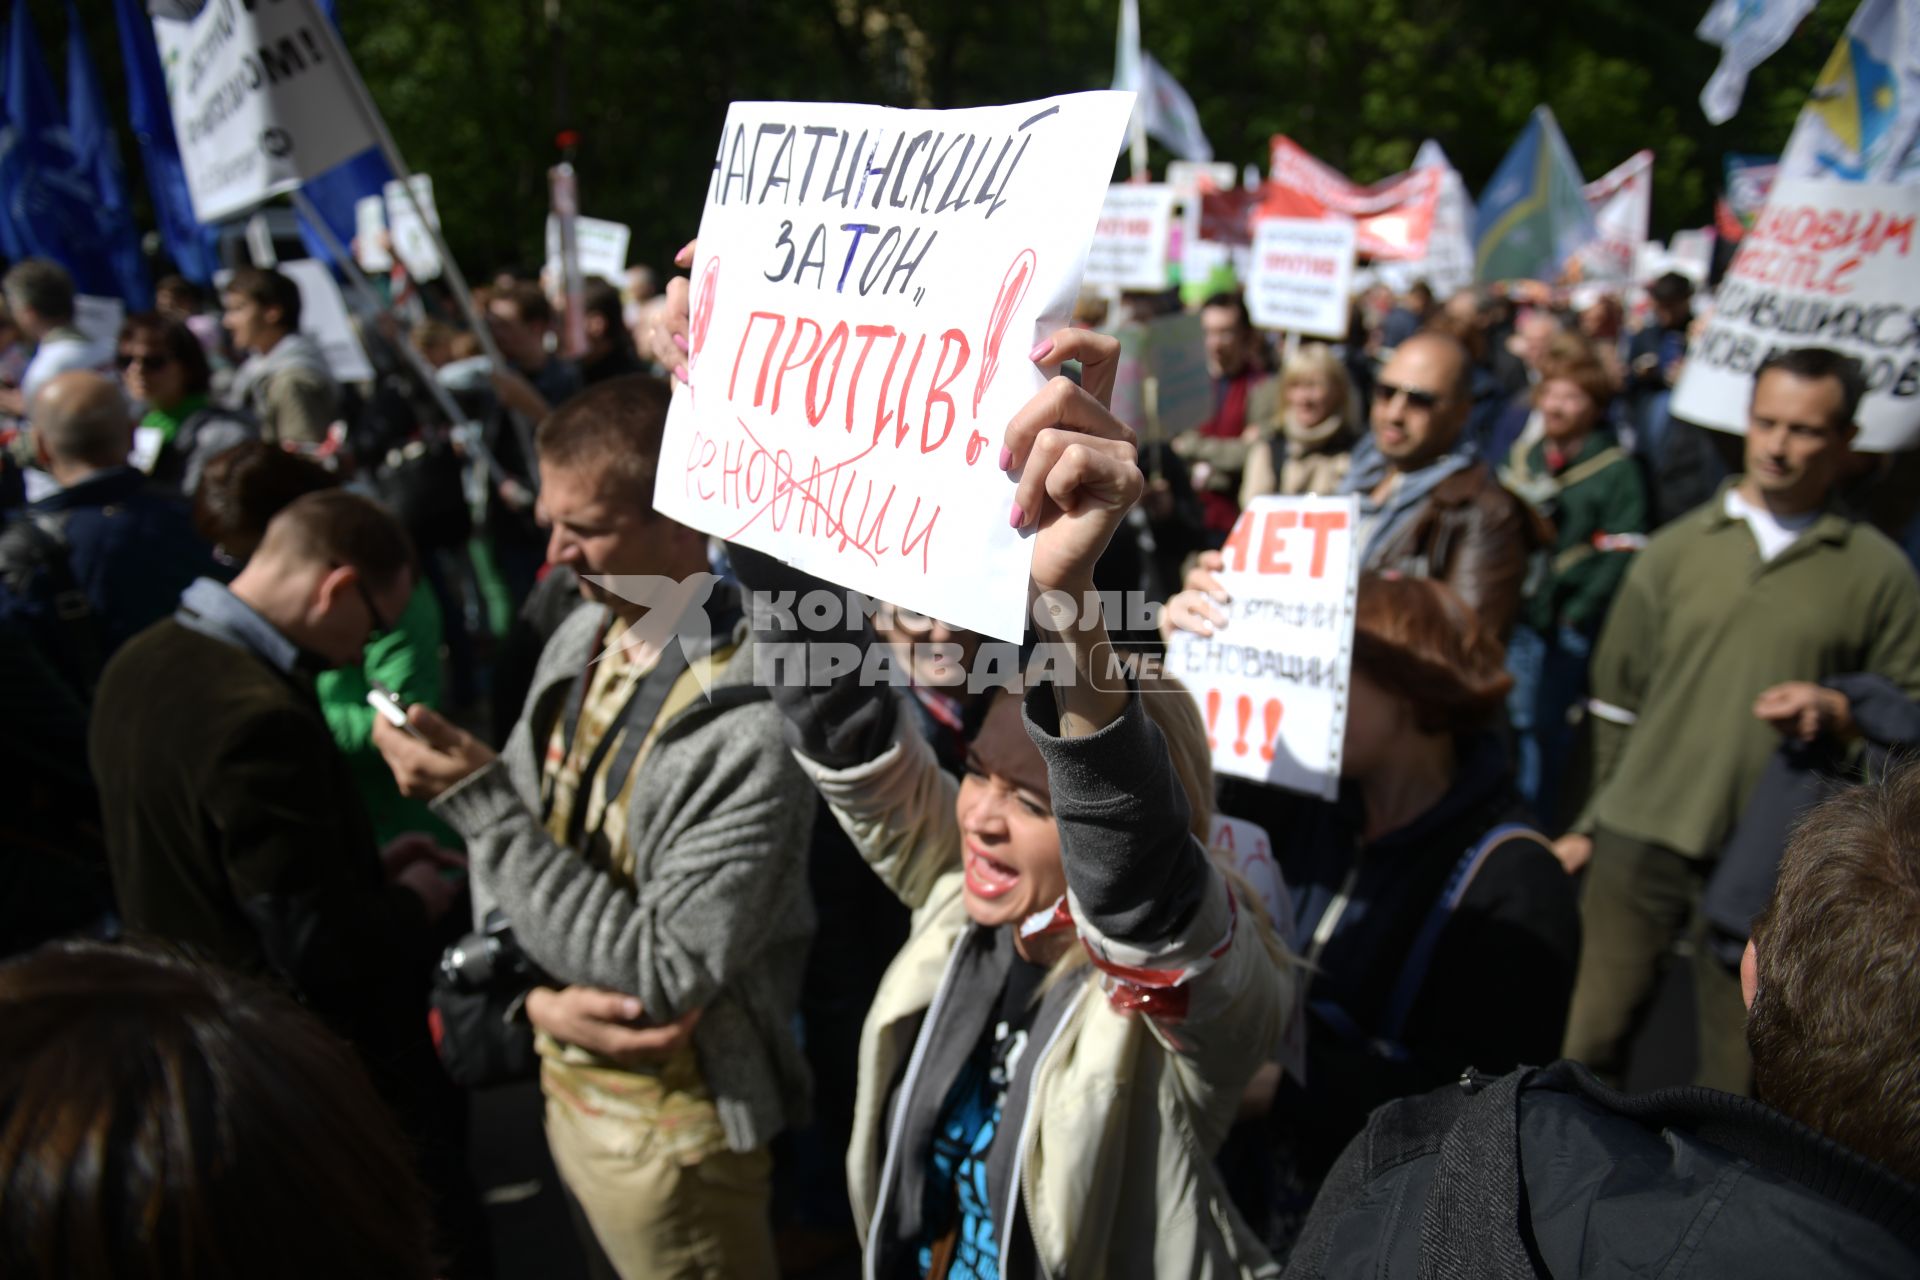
(486, 959)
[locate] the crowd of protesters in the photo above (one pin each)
(363, 759)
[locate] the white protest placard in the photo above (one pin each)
(1249, 851)
(603, 248)
(323, 317)
(1185, 176)
(99, 319)
(1302, 276)
(867, 288)
(1827, 264)
(262, 99)
(1272, 683)
(370, 235)
(413, 243)
(1130, 241)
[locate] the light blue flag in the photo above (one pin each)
(90, 132)
(1533, 215)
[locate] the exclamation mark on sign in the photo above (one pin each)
(1244, 706)
(1271, 714)
(1213, 716)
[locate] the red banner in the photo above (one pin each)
(1394, 216)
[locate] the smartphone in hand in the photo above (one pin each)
(392, 708)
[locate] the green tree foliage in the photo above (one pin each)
(476, 91)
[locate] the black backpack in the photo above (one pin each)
(34, 550)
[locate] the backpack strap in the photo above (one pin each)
(1470, 1223)
(1413, 974)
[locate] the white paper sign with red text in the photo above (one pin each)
(1827, 264)
(1302, 279)
(1131, 240)
(868, 285)
(1272, 683)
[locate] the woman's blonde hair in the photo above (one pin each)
(1317, 362)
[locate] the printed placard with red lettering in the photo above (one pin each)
(1272, 683)
(1827, 264)
(868, 285)
(1131, 240)
(1302, 279)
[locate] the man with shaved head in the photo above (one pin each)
(1429, 507)
(86, 567)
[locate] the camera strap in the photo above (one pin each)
(632, 728)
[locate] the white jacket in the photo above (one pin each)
(1123, 1111)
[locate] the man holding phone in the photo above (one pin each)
(645, 831)
(232, 821)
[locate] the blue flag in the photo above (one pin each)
(90, 131)
(335, 192)
(51, 207)
(1534, 214)
(189, 244)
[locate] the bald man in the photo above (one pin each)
(1429, 507)
(103, 557)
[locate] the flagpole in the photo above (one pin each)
(395, 161)
(372, 300)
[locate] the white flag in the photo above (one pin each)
(1862, 120)
(1164, 110)
(1622, 204)
(1748, 33)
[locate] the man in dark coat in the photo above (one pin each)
(233, 824)
(107, 555)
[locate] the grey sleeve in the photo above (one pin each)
(837, 722)
(1135, 869)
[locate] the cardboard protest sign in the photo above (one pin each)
(323, 317)
(413, 243)
(868, 284)
(262, 99)
(1827, 264)
(1302, 278)
(1162, 387)
(603, 248)
(1177, 363)
(1272, 683)
(1131, 239)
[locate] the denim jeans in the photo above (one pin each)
(1549, 681)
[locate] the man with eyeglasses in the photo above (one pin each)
(234, 825)
(1429, 507)
(105, 555)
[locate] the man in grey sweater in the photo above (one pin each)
(645, 830)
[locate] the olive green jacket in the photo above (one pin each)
(1701, 627)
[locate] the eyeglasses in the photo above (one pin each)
(380, 625)
(148, 364)
(1384, 393)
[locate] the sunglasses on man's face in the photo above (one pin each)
(1386, 393)
(148, 364)
(380, 625)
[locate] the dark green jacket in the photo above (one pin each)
(1702, 626)
(1599, 492)
(234, 828)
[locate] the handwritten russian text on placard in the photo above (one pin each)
(1827, 264)
(867, 288)
(1272, 683)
